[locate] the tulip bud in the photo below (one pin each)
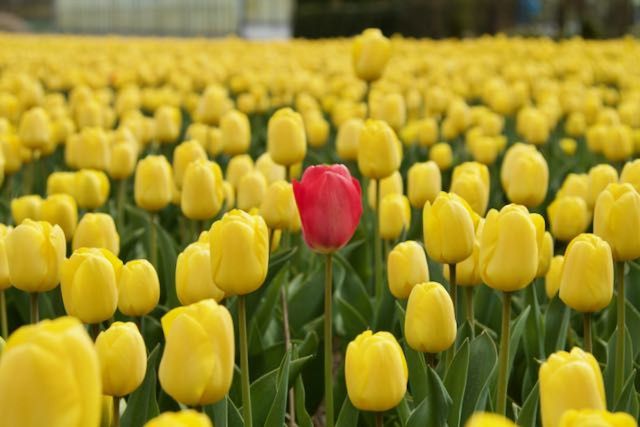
(97, 230)
(61, 183)
(91, 188)
(427, 132)
(153, 186)
(471, 182)
(545, 249)
(448, 229)
(619, 144)
(406, 267)
(380, 353)
(123, 358)
(576, 124)
(11, 149)
(509, 249)
(424, 182)
(138, 288)
(239, 245)
(167, 121)
(630, 174)
(235, 132)
(88, 280)
(391, 109)
(568, 217)
(617, 220)
(183, 155)
(251, 190)
(524, 175)
(370, 53)
(468, 271)
(484, 419)
(594, 417)
(199, 335)
(430, 321)
(229, 196)
(199, 132)
(554, 276)
(237, 168)
(286, 139)
(35, 251)
(442, 155)
(395, 216)
(569, 381)
(379, 151)
(568, 146)
(193, 275)
(35, 129)
(348, 138)
(212, 105)
(26, 207)
(279, 208)
(61, 209)
(271, 170)
(41, 368)
(317, 128)
(202, 193)
(185, 418)
(91, 151)
(599, 177)
(124, 156)
(389, 185)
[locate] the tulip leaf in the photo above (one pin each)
(632, 320)
(529, 413)
(348, 416)
(624, 402)
(434, 408)
(234, 418)
(303, 418)
(131, 238)
(142, 404)
(167, 255)
(306, 300)
(534, 338)
(277, 261)
(351, 288)
(278, 408)
(456, 381)
(484, 355)
(517, 329)
(262, 315)
(351, 320)
(556, 322)
(218, 412)
(609, 371)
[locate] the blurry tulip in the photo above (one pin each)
(138, 288)
(61, 209)
(617, 220)
(619, 144)
(576, 124)
(90, 151)
(91, 188)
(123, 358)
(167, 121)
(5, 281)
(229, 196)
(183, 155)
(251, 190)
(568, 217)
(153, 185)
(193, 275)
(279, 208)
(568, 146)
(545, 251)
(271, 170)
(484, 419)
(395, 216)
(11, 149)
(427, 132)
(199, 132)
(348, 138)
(123, 160)
(468, 271)
(554, 276)
(389, 185)
(599, 177)
(237, 168)
(630, 174)
(594, 417)
(235, 132)
(391, 108)
(286, 138)
(370, 53)
(524, 175)
(379, 151)
(317, 128)
(212, 105)
(214, 144)
(430, 321)
(471, 182)
(406, 267)
(61, 183)
(97, 230)
(202, 194)
(185, 418)
(442, 155)
(35, 129)
(485, 149)
(26, 207)
(424, 182)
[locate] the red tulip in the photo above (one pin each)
(330, 206)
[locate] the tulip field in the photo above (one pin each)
(363, 231)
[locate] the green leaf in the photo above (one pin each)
(484, 360)
(233, 414)
(302, 416)
(556, 322)
(434, 409)
(167, 256)
(218, 412)
(263, 314)
(279, 407)
(534, 334)
(517, 329)
(624, 403)
(348, 416)
(455, 381)
(529, 412)
(609, 371)
(142, 404)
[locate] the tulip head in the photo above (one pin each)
(279, 208)
(406, 267)
(35, 129)
(286, 138)
(26, 207)
(595, 417)
(123, 358)
(524, 175)
(183, 155)
(124, 156)
(370, 53)
(424, 182)
(235, 132)
(379, 151)
(568, 217)
(468, 271)
(91, 188)
(599, 177)
(61, 209)
(485, 419)
(394, 216)
(153, 186)
(237, 168)
(138, 288)
(202, 193)
(471, 182)
(97, 230)
(554, 276)
(61, 182)
(193, 275)
(430, 321)
(442, 154)
(271, 170)
(185, 418)
(251, 190)
(617, 220)
(167, 123)
(348, 138)
(5, 281)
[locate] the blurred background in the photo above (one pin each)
(324, 18)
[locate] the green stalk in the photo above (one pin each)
(377, 261)
(587, 332)
(328, 337)
(35, 313)
(620, 335)
(244, 362)
(4, 325)
(453, 288)
(153, 240)
(28, 178)
(503, 372)
(468, 294)
(116, 412)
(379, 422)
(120, 201)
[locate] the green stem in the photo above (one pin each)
(328, 338)
(244, 362)
(379, 422)
(503, 373)
(620, 335)
(153, 240)
(28, 178)
(35, 313)
(116, 412)
(377, 248)
(468, 294)
(120, 201)
(4, 325)
(453, 288)
(587, 332)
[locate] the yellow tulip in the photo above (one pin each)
(375, 372)
(316, 127)
(576, 124)
(554, 276)
(35, 252)
(235, 132)
(427, 132)
(90, 151)
(138, 288)
(124, 156)
(442, 155)
(389, 185)
(630, 174)
(568, 146)
(167, 122)
(348, 137)
(202, 194)
(106, 411)
(199, 336)
(193, 275)
(485, 149)
(183, 155)
(471, 182)
(370, 53)
(97, 230)
(406, 267)
(41, 368)
(200, 133)
(61, 183)
(239, 252)
(153, 186)
(617, 220)
(271, 170)
(279, 208)
(61, 209)
(229, 196)
(575, 184)
(11, 149)
(569, 381)
(568, 217)
(91, 188)
(545, 250)
(599, 177)
(89, 284)
(251, 190)
(379, 151)
(430, 321)
(286, 138)
(123, 358)
(214, 145)
(26, 207)
(524, 175)
(619, 144)
(35, 129)
(597, 418)
(212, 105)
(185, 418)
(5, 281)
(484, 419)
(391, 108)
(237, 168)
(395, 216)
(468, 271)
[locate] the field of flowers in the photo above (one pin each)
(348, 232)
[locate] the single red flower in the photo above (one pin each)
(330, 205)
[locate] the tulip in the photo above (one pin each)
(286, 138)
(389, 185)
(199, 336)
(392, 109)
(97, 230)
(484, 419)
(424, 182)
(185, 418)
(212, 105)
(568, 146)
(35, 129)
(167, 122)
(524, 175)
(123, 359)
(471, 182)
(61, 209)
(229, 196)
(575, 185)
(237, 168)
(61, 182)
(202, 193)
(42, 366)
(91, 151)
(271, 170)
(199, 132)
(183, 155)
(569, 381)
(89, 284)
(235, 132)
(619, 144)
(379, 151)
(214, 145)
(91, 188)
(317, 128)
(545, 251)
(427, 132)
(193, 275)
(138, 288)
(348, 138)
(26, 207)
(568, 217)
(370, 53)
(617, 220)
(594, 417)
(576, 124)
(554, 276)
(153, 185)
(124, 156)
(599, 177)
(5, 282)
(430, 321)
(442, 155)
(11, 149)
(485, 149)
(251, 190)
(406, 267)
(279, 208)
(381, 354)
(395, 216)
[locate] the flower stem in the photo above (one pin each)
(453, 288)
(468, 294)
(35, 312)
(379, 422)
(587, 332)
(501, 396)
(153, 240)
(120, 201)
(4, 325)
(620, 335)
(244, 362)
(377, 261)
(116, 412)
(328, 338)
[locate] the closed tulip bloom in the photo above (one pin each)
(568, 146)
(97, 230)
(5, 281)
(430, 322)
(370, 53)
(395, 216)
(569, 381)
(617, 220)
(212, 105)
(26, 207)
(596, 418)
(545, 250)
(509, 249)
(237, 168)
(35, 129)
(324, 194)
(576, 124)
(138, 288)
(389, 185)
(375, 372)
(599, 177)
(286, 138)
(485, 149)
(406, 267)
(183, 155)
(424, 182)
(392, 109)
(575, 184)
(448, 229)
(11, 150)
(524, 175)
(427, 132)
(442, 154)
(587, 289)
(124, 156)
(61, 209)
(630, 174)
(89, 284)
(229, 196)
(484, 419)
(214, 144)
(251, 190)
(199, 132)
(279, 208)
(61, 183)
(568, 217)
(202, 194)
(379, 151)
(93, 150)
(554, 276)
(239, 245)
(619, 143)
(91, 188)
(198, 336)
(185, 418)
(41, 368)
(271, 170)
(193, 275)
(317, 128)
(235, 132)
(123, 358)
(471, 182)
(35, 252)
(348, 137)
(153, 187)
(167, 122)
(468, 271)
